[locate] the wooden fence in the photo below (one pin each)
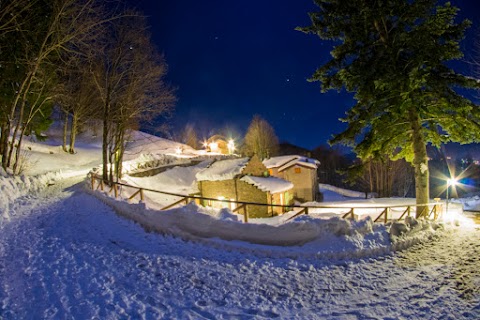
(430, 210)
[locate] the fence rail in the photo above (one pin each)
(428, 209)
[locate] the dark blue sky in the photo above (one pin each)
(232, 59)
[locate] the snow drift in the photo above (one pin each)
(304, 236)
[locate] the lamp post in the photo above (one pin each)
(450, 182)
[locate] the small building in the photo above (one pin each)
(245, 180)
(299, 170)
(218, 144)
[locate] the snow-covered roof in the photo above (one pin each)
(223, 170)
(284, 162)
(271, 184)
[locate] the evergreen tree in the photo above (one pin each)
(393, 54)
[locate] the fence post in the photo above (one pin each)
(306, 210)
(245, 214)
(352, 214)
(408, 211)
(141, 194)
(93, 182)
(115, 191)
(386, 215)
(101, 184)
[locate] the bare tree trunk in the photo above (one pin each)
(106, 114)
(15, 132)
(65, 131)
(18, 150)
(5, 136)
(73, 133)
(370, 178)
(4, 140)
(420, 163)
(120, 152)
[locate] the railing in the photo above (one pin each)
(429, 209)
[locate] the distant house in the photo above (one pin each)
(301, 171)
(246, 180)
(218, 144)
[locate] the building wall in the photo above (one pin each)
(305, 183)
(239, 191)
(287, 200)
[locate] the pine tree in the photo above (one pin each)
(393, 54)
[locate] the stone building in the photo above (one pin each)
(246, 180)
(301, 171)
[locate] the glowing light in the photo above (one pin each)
(231, 146)
(178, 150)
(213, 146)
(452, 182)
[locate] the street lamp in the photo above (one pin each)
(450, 182)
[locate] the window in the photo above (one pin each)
(298, 170)
(270, 172)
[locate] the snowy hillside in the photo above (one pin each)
(67, 254)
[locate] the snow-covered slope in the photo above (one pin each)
(66, 255)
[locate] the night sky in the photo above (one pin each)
(230, 60)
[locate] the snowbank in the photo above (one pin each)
(469, 204)
(304, 236)
(14, 187)
(223, 170)
(341, 191)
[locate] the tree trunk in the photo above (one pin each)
(73, 133)
(106, 114)
(420, 163)
(19, 149)
(65, 131)
(4, 141)
(15, 132)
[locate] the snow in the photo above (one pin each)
(74, 257)
(223, 170)
(179, 180)
(333, 193)
(284, 162)
(469, 203)
(271, 184)
(142, 143)
(67, 254)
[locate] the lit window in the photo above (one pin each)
(298, 170)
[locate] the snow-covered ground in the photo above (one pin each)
(67, 254)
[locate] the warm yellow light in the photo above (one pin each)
(178, 150)
(231, 146)
(213, 146)
(452, 182)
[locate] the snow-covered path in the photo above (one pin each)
(67, 255)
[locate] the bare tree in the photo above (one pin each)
(383, 177)
(53, 28)
(260, 139)
(189, 136)
(128, 75)
(77, 98)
